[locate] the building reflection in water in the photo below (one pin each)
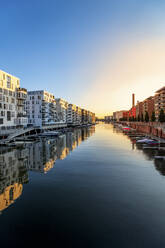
(156, 154)
(38, 157)
(13, 174)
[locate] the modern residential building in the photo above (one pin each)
(84, 117)
(159, 101)
(41, 108)
(61, 109)
(148, 106)
(91, 118)
(78, 115)
(71, 114)
(12, 102)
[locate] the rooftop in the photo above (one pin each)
(161, 89)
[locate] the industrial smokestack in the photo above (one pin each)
(133, 100)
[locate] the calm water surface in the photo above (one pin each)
(88, 188)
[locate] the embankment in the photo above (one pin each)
(152, 128)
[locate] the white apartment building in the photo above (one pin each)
(71, 114)
(78, 115)
(61, 108)
(41, 108)
(12, 102)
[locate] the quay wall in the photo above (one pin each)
(153, 128)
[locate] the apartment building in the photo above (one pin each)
(71, 114)
(41, 108)
(148, 106)
(12, 102)
(84, 116)
(139, 109)
(91, 117)
(61, 109)
(78, 115)
(159, 101)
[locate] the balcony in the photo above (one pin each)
(21, 115)
(22, 90)
(20, 102)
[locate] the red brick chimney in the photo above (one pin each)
(133, 100)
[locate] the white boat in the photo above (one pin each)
(144, 141)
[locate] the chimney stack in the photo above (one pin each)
(133, 100)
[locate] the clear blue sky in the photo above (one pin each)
(84, 51)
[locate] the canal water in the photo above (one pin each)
(89, 188)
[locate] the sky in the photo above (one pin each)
(93, 53)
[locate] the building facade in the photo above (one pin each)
(41, 108)
(12, 102)
(139, 110)
(148, 106)
(61, 109)
(71, 114)
(159, 101)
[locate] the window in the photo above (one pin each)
(1, 121)
(5, 92)
(8, 116)
(8, 85)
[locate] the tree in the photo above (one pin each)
(138, 119)
(146, 117)
(161, 116)
(153, 118)
(142, 119)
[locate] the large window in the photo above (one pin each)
(1, 121)
(8, 116)
(8, 84)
